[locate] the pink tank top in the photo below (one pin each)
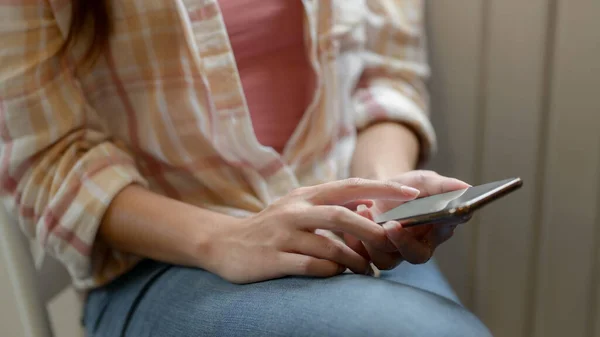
(268, 42)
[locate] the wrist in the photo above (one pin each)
(206, 239)
(153, 226)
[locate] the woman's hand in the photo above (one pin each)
(416, 244)
(281, 240)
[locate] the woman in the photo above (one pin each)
(175, 153)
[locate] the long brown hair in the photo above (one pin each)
(90, 24)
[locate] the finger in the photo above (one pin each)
(357, 246)
(420, 231)
(353, 205)
(431, 183)
(325, 248)
(381, 259)
(440, 234)
(412, 250)
(384, 260)
(303, 265)
(365, 212)
(339, 219)
(344, 191)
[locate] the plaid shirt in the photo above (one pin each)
(164, 107)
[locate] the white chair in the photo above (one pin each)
(33, 286)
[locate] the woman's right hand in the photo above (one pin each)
(281, 240)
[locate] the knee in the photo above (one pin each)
(431, 316)
(451, 320)
(409, 312)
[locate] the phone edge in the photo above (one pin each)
(464, 211)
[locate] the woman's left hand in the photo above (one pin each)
(416, 244)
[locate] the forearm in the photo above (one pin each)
(385, 150)
(149, 225)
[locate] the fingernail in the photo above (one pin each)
(390, 225)
(361, 208)
(370, 271)
(411, 192)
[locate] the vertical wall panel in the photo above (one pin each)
(10, 322)
(570, 196)
(594, 314)
(513, 108)
(455, 49)
(64, 311)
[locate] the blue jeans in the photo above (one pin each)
(162, 300)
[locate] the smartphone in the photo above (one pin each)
(451, 208)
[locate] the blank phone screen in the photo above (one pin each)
(442, 202)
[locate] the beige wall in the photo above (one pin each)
(9, 320)
(515, 93)
(65, 311)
